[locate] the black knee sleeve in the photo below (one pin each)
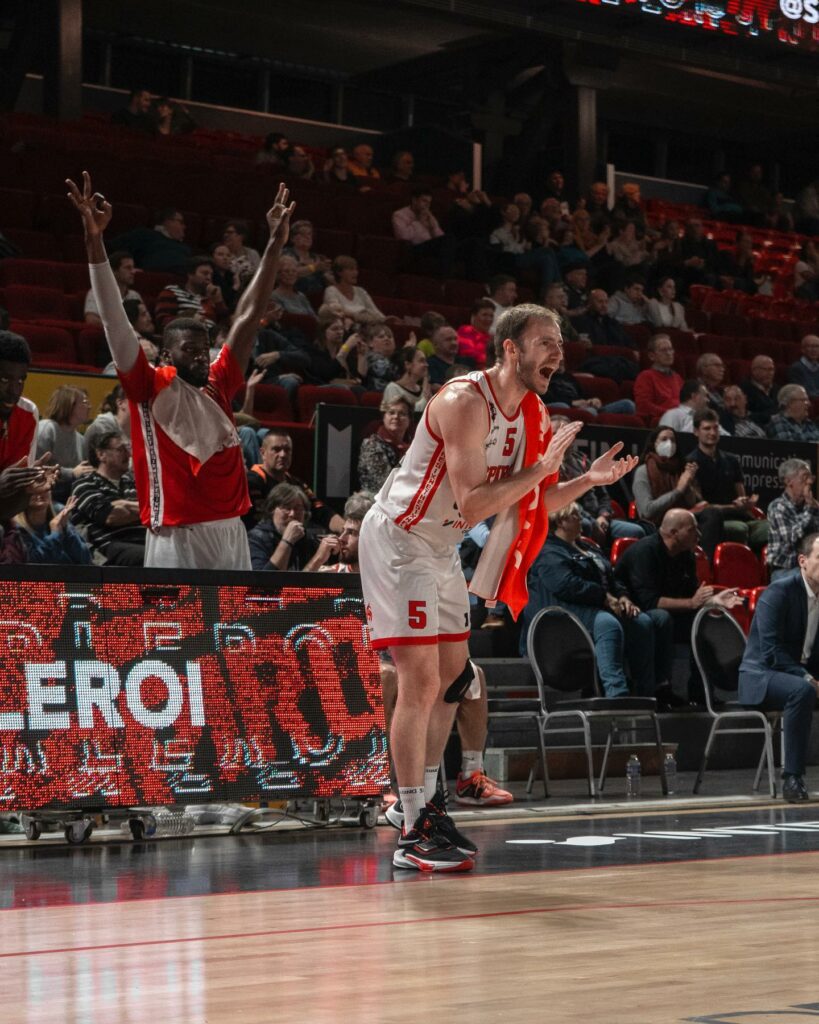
(457, 690)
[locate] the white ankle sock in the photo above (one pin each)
(471, 761)
(412, 803)
(430, 781)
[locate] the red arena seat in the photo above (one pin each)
(619, 546)
(704, 574)
(735, 565)
(309, 396)
(26, 302)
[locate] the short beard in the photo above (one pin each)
(192, 377)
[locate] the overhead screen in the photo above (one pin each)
(791, 23)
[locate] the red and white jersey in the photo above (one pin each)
(188, 460)
(18, 434)
(417, 495)
(338, 567)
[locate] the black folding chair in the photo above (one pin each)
(719, 645)
(562, 656)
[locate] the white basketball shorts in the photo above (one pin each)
(414, 593)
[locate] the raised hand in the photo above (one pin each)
(92, 206)
(561, 441)
(607, 469)
(279, 214)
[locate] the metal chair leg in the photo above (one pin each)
(660, 753)
(543, 764)
(589, 756)
(763, 755)
(769, 751)
(601, 782)
(705, 754)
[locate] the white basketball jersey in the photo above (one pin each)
(417, 495)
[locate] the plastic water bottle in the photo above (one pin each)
(671, 773)
(633, 776)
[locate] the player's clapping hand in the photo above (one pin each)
(92, 206)
(561, 441)
(608, 469)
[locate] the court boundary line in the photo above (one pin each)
(331, 928)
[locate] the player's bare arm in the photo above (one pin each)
(253, 301)
(459, 416)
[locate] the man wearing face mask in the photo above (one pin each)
(188, 462)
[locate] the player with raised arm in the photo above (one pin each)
(190, 474)
(484, 447)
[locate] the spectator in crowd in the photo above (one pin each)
(337, 174)
(720, 481)
(345, 546)
(444, 354)
(629, 306)
(381, 452)
(551, 213)
(161, 247)
(698, 255)
(503, 293)
(298, 164)
(659, 571)
(711, 373)
(225, 278)
(628, 209)
(597, 202)
(122, 264)
(314, 270)
(779, 217)
(737, 266)
(412, 379)
(568, 250)
(49, 536)
(658, 388)
(244, 260)
(198, 299)
(523, 201)
(331, 354)
(114, 415)
(754, 196)
(402, 167)
(663, 481)
(793, 422)
(693, 399)
(734, 416)
(172, 118)
(276, 458)
(576, 279)
(760, 390)
(806, 273)
(779, 668)
(791, 516)
(575, 575)
(471, 214)
(599, 326)
(106, 506)
(273, 151)
(556, 299)
(286, 294)
(417, 225)
(361, 163)
(68, 408)
(195, 459)
(663, 310)
(564, 392)
(667, 251)
(807, 209)
(430, 321)
(380, 351)
(509, 236)
(346, 293)
(137, 114)
(629, 250)
(596, 510)
(281, 541)
(556, 189)
(590, 236)
(18, 415)
(805, 370)
(474, 338)
(720, 202)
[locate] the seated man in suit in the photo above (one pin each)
(781, 663)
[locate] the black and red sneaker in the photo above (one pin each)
(445, 826)
(424, 848)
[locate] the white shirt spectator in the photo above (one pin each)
(661, 314)
(409, 228)
(681, 419)
(354, 307)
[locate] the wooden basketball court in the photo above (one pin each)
(639, 918)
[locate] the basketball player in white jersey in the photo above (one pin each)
(457, 471)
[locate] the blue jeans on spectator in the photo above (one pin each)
(623, 406)
(646, 635)
(251, 440)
